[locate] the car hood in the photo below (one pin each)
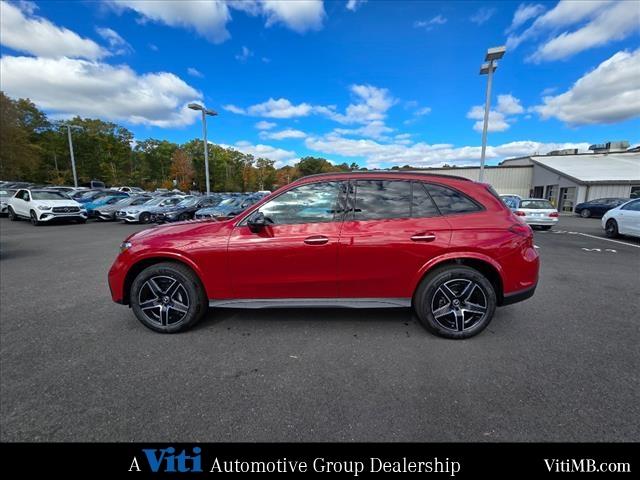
(182, 231)
(57, 203)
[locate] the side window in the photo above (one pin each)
(25, 196)
(380, 199)
(421, 203)
(633, 206)
(313, 203)
(20, 194)
(450, 201)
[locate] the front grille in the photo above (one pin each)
(65, 209)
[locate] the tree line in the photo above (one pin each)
(34, 148)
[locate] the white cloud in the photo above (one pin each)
(354, 5)
(371, 104)
(153, 47)
(244, 54)
(482, 15)
(117, 44)
(609, 93)
(283, 134)
(24, 32)
(207, 17)
(382, 155)
(194, 72)
(79, 87)
(421, 112)
(264, 125)
(594, 23)
(375, 129)
(265, 60)
(300, 16)
(499, 117)
(614, 23)
(509, 105)
(280, 156)
(431, 23)
(523, 14)
(280, 108)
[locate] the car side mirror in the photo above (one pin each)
(257, 222)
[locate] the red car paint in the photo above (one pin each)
(359, 259)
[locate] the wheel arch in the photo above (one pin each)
(146, 262)
(486, 266)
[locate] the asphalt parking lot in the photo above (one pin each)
(562, 366)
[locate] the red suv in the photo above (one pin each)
(446, 246)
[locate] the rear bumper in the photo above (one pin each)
(519, 296)
(537, 221)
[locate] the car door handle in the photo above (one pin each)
(424, 237)
(316, 240)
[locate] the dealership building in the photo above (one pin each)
(565, 177)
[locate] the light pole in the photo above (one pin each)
(205, 112)
(73, 160)
(493, 54)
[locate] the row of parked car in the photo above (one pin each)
(47, 204)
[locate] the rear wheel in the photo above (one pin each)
(611, 228)
(168, 298)
(34, 218)
(455, 302)
(184, 216)
(586, 213)
(12, 215)
(145, 217)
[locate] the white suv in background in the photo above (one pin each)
(41, 206)
(623, 220)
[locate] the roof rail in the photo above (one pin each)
(390, 172)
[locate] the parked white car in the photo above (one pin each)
(537, 212)
(128, 189)
(40, 206)
(623, 220)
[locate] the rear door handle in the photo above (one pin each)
(424, 237)
(316, 240)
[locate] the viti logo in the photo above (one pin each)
(167, 460)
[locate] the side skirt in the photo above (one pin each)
(255, 303)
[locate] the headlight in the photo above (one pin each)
(125, 246)
(43, 207)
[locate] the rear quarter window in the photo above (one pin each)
(450, 201)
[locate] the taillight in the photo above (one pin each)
(521, 229)
(553, 214)
(520, 213)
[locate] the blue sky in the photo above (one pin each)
(375, 82)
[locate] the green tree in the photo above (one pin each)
(19, 155)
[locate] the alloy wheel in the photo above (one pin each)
(163, 300)
(459, 304)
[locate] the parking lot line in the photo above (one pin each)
(608, 239)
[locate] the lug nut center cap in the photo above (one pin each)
(456, 302)
(166, 299)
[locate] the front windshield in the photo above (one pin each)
(228, 201)
(170, 201)
(44, 195)
(187, 202)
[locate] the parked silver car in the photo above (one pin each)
(537, 212)
(145, 213)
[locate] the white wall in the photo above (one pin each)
(503, 179)
(608, 191)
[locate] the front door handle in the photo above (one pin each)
(424, 237)
(316, 240)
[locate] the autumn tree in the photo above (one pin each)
(182, 170)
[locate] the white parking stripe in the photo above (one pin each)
(609, 240)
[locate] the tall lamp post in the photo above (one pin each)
(490, 65)
(73, 160)
(205, 112)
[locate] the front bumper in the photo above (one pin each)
(127, 217)
(105, 215)
(50, 216)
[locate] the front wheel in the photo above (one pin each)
(611, 228)
(145, 217)
(168, 298)
(34, 218)
(455, 302)
(184, 217)
(586, 213)
(12, 215)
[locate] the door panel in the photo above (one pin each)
(296, 255)
(379, 259)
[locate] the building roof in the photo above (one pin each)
(623, 168)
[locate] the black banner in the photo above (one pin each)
(453, 460)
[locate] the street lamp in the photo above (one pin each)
(205, 112)
(73, 160)
(487, 68)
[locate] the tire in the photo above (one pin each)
(33, 218)
(611, 228)
(442, 296)
(82, 220)
(12, 215)
(163, 306)
(586, 213)
(145, 217)
(184, 216)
